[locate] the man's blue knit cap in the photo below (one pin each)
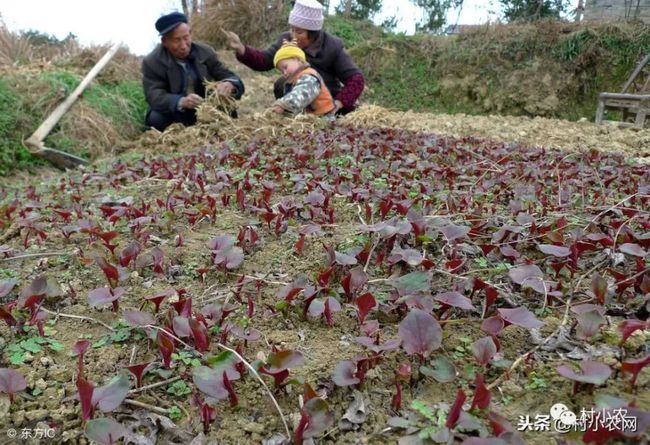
(168, 22)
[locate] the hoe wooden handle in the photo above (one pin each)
(35, 141)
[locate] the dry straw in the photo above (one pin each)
(538, 131)
(14, 49)
(255, 21)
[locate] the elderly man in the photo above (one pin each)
(175, 71)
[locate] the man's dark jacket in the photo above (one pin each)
(164, 79)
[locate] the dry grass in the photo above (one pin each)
(123, 66)
(538, 131)
(254, 22)
(214, 104)
(219, 126)
(14, 49)
(92, 130)
(20, 50)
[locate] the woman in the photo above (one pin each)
(325, 53)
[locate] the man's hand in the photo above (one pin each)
(234, 42)
(277, 109)
(225, 88)
(191, 101)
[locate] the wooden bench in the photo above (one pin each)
(633, 101)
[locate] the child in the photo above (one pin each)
(304, 89)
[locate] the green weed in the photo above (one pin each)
(179, 388)
(19, 351)
(174, 413)
(536, 382)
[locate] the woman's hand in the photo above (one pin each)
(234, 42)
(292, 42)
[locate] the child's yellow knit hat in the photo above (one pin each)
(288, 51)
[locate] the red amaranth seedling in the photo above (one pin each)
(165, 346)
(138, 370)
(628, 327)
(30, 298)
(64, 214)
(200, 335)
(377, 348)
(591, 373)
(104, 431)
(106, 238)
(216, 380)
(315, 416)
(183, 306)
(338, 258)
(6, 287)
(482, 396)
(278, 365)
(599, 288)
(114, 274)
(484, 349)
(158, 256)
(421, 334)
(324, 307)
(353, 282)
(289, 291)
(403, 373)
(499, 424)
(350, 372)
(104, 295)
(634, 367)
(32, 228)
(519, 316)
(11, 382)
(129, 253)
(455, 410)
(107, 397)
(225, 255)
(448, 300)
(157, 299)
(365, 303)
(140, 319)
(207, 413)
(589, 319)
(247, 238)
(80, 349)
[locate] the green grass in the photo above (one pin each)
(12, 153)
(123, 104)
